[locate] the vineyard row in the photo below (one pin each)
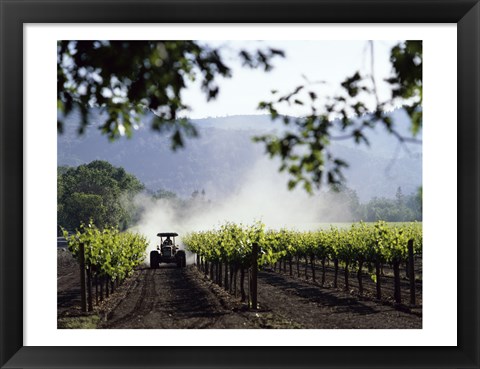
(361, 248)
(106, 257)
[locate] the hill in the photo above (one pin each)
(224, 155)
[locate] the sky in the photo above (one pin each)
(327, 61)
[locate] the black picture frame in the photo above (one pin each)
(15, 13)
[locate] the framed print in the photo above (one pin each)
(441, 331)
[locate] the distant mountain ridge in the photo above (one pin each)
(224, 153)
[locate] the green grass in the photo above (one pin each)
(78, 322)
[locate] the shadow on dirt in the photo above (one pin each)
(317, 294)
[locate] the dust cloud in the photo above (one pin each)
(262, 195)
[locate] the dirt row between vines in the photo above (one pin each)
(171, 298)
(369, 287)
(312, 306)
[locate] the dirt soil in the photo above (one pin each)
(170, 297)
(68, 285)
(312, 306)
(369, 287)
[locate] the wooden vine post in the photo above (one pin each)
(323, 271)
(101, 288)
(346, 273)
(378, 282)
(335, 278)
(253, 280)
(106, 287)
(235, 272)
(225, 280)
(95, 280)
(89, 288)
(312, 263)
(83, 287)
(219, 273)
(359, 276)
(411, 271)
(242, 284)
(396, 278)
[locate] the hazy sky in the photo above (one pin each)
(328, 61)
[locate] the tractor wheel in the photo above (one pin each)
(181, 260)
(154, 259)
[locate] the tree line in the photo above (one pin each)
(104, 194)
(400, 208)
(97, 192)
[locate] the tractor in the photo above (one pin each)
(167, 252)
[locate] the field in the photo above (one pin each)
(169, 297)
(288, 297)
